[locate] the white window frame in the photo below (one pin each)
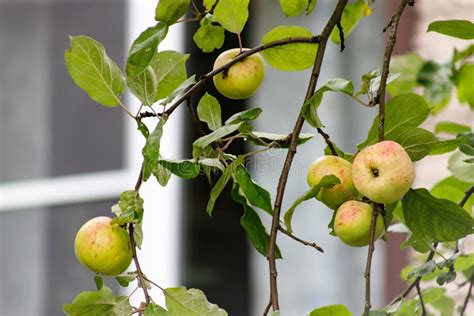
(160, 256)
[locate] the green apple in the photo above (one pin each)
(383, 172)
(242, 79)
(332, 165)
(102, 247)
(352, 223)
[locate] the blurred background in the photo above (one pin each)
(65, 159)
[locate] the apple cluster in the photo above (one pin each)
(382, 173)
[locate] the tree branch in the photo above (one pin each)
(336, 16)
(380, 99)
(468, 297)
(141, 278)
(204, 78)
(392, 38)
(418, 291)
(304, 242)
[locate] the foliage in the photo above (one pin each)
(159, 78)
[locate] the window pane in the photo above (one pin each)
(38, 260)
(48, 126)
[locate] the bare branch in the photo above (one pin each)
(304, 242)
(141, 278)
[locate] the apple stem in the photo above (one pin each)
(240, 42)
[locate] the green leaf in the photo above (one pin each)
(125, 280)
(252, 224)
(451, 128)
(401, 112)
(129, 208)
(445, 305)
(138, 235)
(255, 194)
(459, 168)
(209, 111)
(208, 4)
(464, 80)
(419, 244)
(456, 28)
(144, 48)
(170, 11)
(153, 309)
(169, 67)
(416, 141)
(144, 86)
(151, 155)
(464, 262)
(408, 65)
(326, 182)
(283, 140)
(209, 37)
(99, 282)
(424, 269)
(351, 16)
(436, 79)
(222, 182)
(312, 4)
(201, 143)
(446, 145)
(290, 57)
(309, 110)
(438, 219)
(93, 71)
(331, 310)
(98, 303)
(192, 302)
(186, 169)
(212, 163)
(180, 89)
(244, 116)
(432, 295)
(293, 7)
(453, 189)
(232, 14)
(446, 278)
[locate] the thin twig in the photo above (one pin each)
(304, 242)
(336, 16)
(380, 99)
(468, 297)
(341, 35)
(195, 117)
(141, 281)
(368, 265)
(418, 291)
(204, 78)
(267, 309)
(392, 38)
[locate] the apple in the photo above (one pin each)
(102, 247)
(352, 223)
(332, 165)
(383, 172)
(242, 79)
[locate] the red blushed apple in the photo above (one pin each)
(352, 223)
(102, 247)
(383, 172)
(332, 165)
(242, 79)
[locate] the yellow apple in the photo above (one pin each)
(332, 165)
(352, 223)
(383, 172)
(242, 79)
(102, 247)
